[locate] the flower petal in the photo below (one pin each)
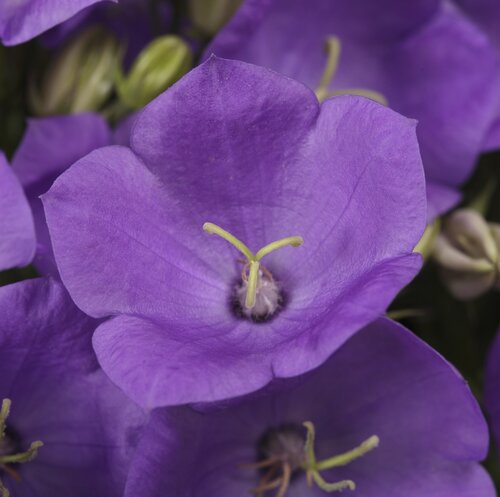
(49, 146)
(17, 233)
(21, 20)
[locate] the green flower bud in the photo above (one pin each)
(158, 66)
(467, 252)
(81, 77)
(210, 15)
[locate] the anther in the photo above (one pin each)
(253, 281)
(333, 50)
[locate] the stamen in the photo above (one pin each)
(313, 467)
(333, 50)
(253, 259)
(17, 458)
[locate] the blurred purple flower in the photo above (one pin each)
(59, 396)
(21, 20)
(423, 431)
(17, 233)
(49, 146)
(250, 150)
(424, 58)
(486, 14)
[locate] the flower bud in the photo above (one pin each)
(81, 77)
(210, 15)
(158, 66)
(467, 252)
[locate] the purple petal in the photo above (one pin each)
(21, 20)
(162, 364)
(17, 233)
(49, 146)
(123, 219)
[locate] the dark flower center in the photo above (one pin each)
(285, 451)
(258, 296)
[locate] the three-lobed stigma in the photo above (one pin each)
(259, 293)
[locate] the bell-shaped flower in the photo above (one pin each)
(65, 429)
(245, 234)
(385, 416)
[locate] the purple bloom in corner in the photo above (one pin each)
(17, 233)
(390, 417)
(315, 213)
(69, 430)
(21, 20)
(49, 146)
(492, 390)
(425, 60)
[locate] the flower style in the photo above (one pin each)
(17, 233)
(426, 60)
(49, 146)
(65, 429)
(21, 20)
(385, 415)
(197, 317)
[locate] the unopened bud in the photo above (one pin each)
(81, 78)
(210, 15)
(467, 252)
(158, 66)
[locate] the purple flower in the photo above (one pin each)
(197, 318)
(17, 233)
(425, 60)
(492, 390)
(21, 20)
(486, 14)
(49, 147)
(400, 420)
(58, 396)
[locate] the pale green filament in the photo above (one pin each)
(333, 49)
(253, 259)
(17, 458)
(313, 467)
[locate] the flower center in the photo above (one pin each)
(258, 295)
(287, 450)
(333, 47)
(10, 453)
